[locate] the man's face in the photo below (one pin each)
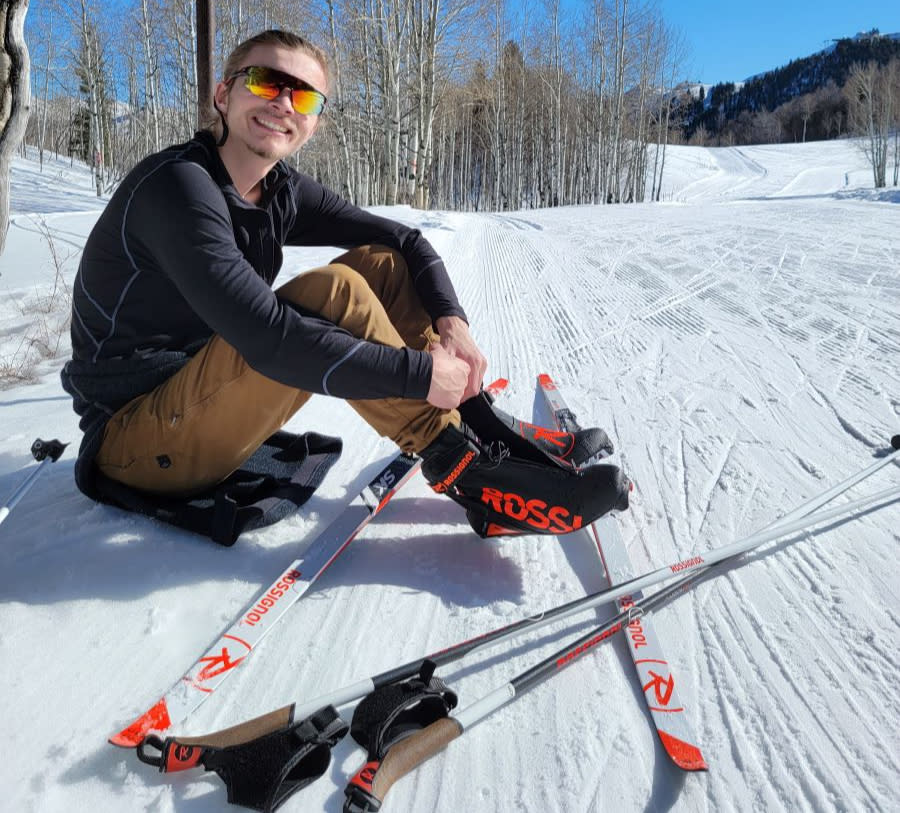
(269, 128)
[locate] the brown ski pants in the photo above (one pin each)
(197, 427)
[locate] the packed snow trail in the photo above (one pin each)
(739, 344)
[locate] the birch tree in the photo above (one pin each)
(15, 96)
(871, 110)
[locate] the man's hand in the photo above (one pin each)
(449, 379)
(458, 342)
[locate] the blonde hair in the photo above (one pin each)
(272, 36)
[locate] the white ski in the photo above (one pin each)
(233, 646)
(655, 675)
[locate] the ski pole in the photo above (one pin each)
(564, 657)
(362, 688)
(801, 517)
(368, 788)
(44, 451)
(365, 792)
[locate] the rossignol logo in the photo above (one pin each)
(535, 513)
(270, 599)
(582, 648)
(635, 627)
(183, 757)
(697, 560)
(561, 439)
(451, 478)
(215, 665)
(662, 685)
(366, 776)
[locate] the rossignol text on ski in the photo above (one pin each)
(656, 676)
(233, 646)
(366, 791)
(314, 726)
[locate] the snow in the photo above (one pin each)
(739, 342)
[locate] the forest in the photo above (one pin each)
(461, 104)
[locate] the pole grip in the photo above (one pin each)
(366, 791)
(42, 449)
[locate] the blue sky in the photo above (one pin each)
(731, 41)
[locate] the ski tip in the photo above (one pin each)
(498, 385)
(156, 719)
(546, 382)
(683, 754)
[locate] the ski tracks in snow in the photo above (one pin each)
(724, 371)
(742, 355)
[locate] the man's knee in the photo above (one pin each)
(322, 286)
(369, 256)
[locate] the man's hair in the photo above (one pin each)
(272, 36)
(283, 39)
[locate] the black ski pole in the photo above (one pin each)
(44, 451)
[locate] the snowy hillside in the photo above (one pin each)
(740, 344)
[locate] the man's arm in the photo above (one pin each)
(325, 218)
(178, 222)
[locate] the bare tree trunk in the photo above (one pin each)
(151, 83)
(91, 69)
(338, 102)
(617, 146)
(870, 111)
(15, 96)
(390, 35)
(45, 103)
(206, 38)
(598, 81)
(893, 87)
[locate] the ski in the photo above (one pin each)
(654, 672)
(233, 646)
(366, 791)
(375, 778)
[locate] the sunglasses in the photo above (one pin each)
(268, 83)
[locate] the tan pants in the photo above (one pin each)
(197, 427)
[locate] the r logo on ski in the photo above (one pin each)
(217, 665)
(662, 687)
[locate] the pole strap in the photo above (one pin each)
(262, 761)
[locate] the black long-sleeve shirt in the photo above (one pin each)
(178, 255)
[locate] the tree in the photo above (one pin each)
(90, 70)
(872, 109)
(15, 96)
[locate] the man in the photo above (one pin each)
(185, 359)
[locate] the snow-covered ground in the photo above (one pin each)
(739, 342)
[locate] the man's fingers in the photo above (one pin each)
(449, 379)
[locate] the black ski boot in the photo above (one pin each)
(530, 442)
(505, 495)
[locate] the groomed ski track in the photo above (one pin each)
(739, 342)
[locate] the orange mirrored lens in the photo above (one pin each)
(268, 84)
